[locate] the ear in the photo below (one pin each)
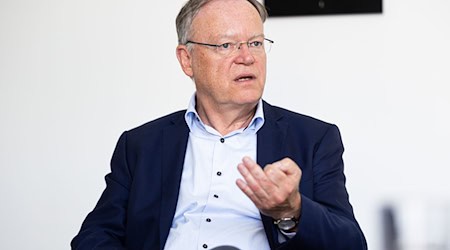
(184, 58)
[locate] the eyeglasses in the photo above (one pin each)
(257, 46)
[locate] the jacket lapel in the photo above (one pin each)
(271, 148)
(175, 138)
(271, 137)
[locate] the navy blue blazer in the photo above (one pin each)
(136, 209)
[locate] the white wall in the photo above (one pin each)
(75, 74)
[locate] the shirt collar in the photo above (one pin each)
(194, 122)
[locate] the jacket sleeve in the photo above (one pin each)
(327, 220)
(104, 227)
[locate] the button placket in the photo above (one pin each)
(216, 180)
(217, 162)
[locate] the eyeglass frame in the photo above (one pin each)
(217, 46)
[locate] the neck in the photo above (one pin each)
(226, 119)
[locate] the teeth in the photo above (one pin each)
(244, 79)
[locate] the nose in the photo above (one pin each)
(244, 55)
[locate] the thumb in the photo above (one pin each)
(288, 166)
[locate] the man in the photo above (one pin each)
(231, 169)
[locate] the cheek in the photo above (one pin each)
(208, 68)
(216, 71)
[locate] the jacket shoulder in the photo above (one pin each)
(156, 126)
(293, 118)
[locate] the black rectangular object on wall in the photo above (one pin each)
(321, 7)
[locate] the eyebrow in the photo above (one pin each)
(232, 36)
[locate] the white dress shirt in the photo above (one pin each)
(211, 210)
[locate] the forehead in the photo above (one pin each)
(229, 18)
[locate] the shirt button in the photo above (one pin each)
(219, 173)
(216, 196)
(205, 246)
(222, 140)
(208, 220)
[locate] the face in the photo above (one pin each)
(237, 79)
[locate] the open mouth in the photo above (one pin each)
(245, 77)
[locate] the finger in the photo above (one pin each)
(291, 180)
(255, 170)
(275, 174)
(252, 182)
(248, 191)
(259, 176)
(289, 167)
(257, 180)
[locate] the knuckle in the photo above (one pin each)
(256, 188)
(291, 189)
(287, 161)
(278, 199)
(268, 171)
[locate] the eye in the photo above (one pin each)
(255, 44)
(225, 46)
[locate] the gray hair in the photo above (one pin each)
(190, 10)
